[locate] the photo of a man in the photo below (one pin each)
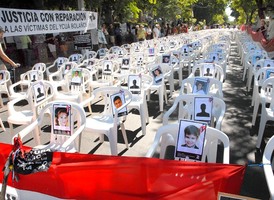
(117, 101)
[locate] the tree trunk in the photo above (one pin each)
(260, 9)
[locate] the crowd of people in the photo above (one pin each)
(139, 32)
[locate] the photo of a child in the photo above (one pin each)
(62, 119)
(190, 141)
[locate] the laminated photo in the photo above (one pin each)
(190, 140)
(201, 86)
(76, 77)
(38, 91)
(203, 109)
(134, 84)
(209, 69)
(117, 100)
(157, 74)
(62, 119)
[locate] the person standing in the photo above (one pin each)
(22, 45)
(141, 33)
(118, 35)
(156, 31)
(3, 56)
(111, 35)
(50, 40)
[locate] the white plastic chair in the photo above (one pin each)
(57, 78)
(212, 139)
(39, 66)
(254, 68)
(25, 116)
(268, 165)
(75, 92)
(58, 141)
(186, 107)
(215, 86)
(107, 123)
(159, 83)
(4, 82)
(56, 65)
(76, 57)
(216, 71)
(139, 101)
(267, 113)
(24, 83)
(261, 88)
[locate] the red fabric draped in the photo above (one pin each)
(268, 45)
(81, 176)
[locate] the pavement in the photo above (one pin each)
(236, 124)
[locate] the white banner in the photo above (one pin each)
(30, 22)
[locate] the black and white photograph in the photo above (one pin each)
(39, 91)
(107, 67)
(166, 58)
(209, 69)
(203, 109)
(134, 84)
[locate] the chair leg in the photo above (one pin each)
(11, 128)
(255, 112)
(143, 118)
(261, 130)
(2, 125)
(124, 134)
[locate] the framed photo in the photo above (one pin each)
(203, 109)
(190, 140)
(161, 49)
(59, 62)
(34, 76)
(76, 77)
(125, 63)
(2, 76)
(185, 50)
(269, 73)
(166, 58)
(38, 91)
(75, 58)
(62, 119)
(157, 74)
(209, 70)
(134, 84)
(67, 68)
(151, 52)
(269, 63)
(102, 53)
(200, 86)
(107, 67)
(117, 100)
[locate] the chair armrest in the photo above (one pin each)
(11, 104)
(23, 133)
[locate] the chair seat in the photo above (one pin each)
(24, 116)
(99, 123)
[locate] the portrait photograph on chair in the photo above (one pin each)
(203, 109)
(190, 140)
(39, 91)
(200, 86)
(117, 100)
(76, 77)
(134, 84)
(62, 119)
